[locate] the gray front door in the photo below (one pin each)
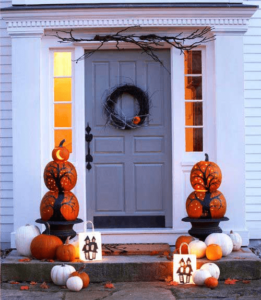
(129, 184)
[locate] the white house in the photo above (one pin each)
(46, 96)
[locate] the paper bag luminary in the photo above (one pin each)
(183, 267)
(90, 244)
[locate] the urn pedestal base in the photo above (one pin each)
(62, 229)
(201, 228)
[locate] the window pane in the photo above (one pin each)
(62, 89)
(194, 115)
(61, 134)
(62, 64)
(193, 62)
(193, 88)
(62, 115)
(194, 139)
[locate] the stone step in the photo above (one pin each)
(241, 264)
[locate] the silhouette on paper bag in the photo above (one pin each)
(90, 248)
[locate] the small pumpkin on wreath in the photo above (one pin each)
(116, 117)
(136, 120)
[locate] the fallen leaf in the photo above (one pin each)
(14, 282)
(173, 283)
(44, 286)
(50, 260)
(33, 283)
(231, 281)
(166, 253)
(168, 279)
(169, 257)
(239, 257)
(24, 287)
(109, 285)
(63, 287)
(25, 259)
(246, 281)
(154, 253)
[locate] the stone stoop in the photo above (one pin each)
(241, 264)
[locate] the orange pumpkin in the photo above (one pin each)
(44, 246)
(183, 239)
(206, 205)
(84, 277)
(211, 282)
(136, 120)
(213, 252)
(205, 176)
(60, 176)
(66, 252)
(59, 206)
(60, 153)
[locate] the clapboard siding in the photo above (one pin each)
(6, 163)
(252, 62)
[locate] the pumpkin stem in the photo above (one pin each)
(61, 143)
(67, 241)
(81, 268)
(206, 157)
(231, 231)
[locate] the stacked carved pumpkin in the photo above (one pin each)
(60, 176)
(206, 201)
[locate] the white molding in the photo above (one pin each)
(225, 23)
(39, 2)
(223, 19)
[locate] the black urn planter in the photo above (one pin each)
(201, 228)
(61, 229)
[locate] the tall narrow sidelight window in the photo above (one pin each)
(62, 99)
(193, 101)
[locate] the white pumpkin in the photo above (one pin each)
(61, 273)
(236, 240)
(212, 268)
(221, 239)
(74, 283)
(23, 238)
(198, 248)
(199, 276)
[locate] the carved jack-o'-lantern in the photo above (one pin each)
(60, 176)
(205, 176)
(60, 153)
(59, 206)
(206, 205)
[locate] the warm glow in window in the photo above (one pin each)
(62, 83)
(193, 101)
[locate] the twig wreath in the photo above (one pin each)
(116, 116)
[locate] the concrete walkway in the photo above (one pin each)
(135, 291)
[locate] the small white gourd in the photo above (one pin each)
(61, 273)
(74, 283)
(23, 238)
(212, 268)
(236, 240)
(199, 276)
(198, 248)
(221, 239)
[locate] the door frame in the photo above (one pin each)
(181, 164)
